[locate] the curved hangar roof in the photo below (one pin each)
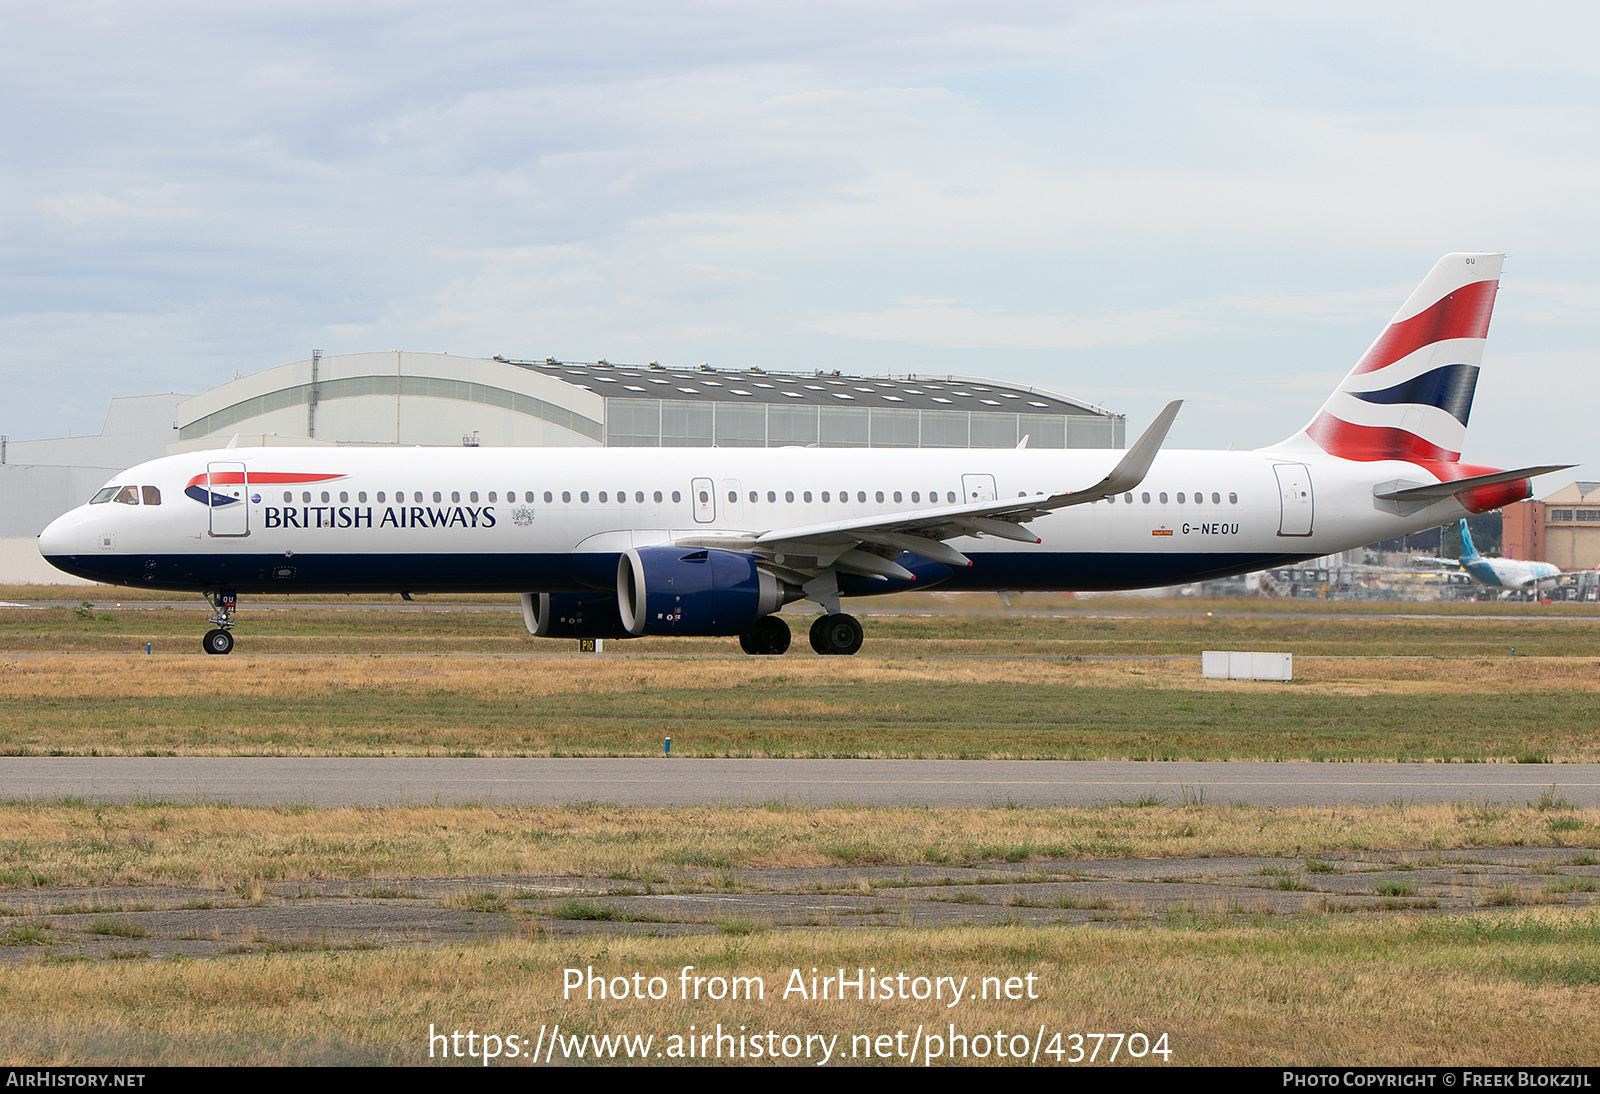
(427, 398)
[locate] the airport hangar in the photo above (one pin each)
(405, 398)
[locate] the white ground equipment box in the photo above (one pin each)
(1225, 665)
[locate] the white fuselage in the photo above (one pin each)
(543, 519)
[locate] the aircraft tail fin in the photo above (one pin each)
(1410, 395)
(1469, 553)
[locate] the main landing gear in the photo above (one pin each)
(770, 637)
(220, 638)
(836, 634)
(830, 634)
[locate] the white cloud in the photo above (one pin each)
(1178, 195)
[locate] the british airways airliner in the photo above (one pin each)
(621, 542)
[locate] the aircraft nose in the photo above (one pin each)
(60, 536)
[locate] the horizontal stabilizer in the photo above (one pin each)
(1438, 491)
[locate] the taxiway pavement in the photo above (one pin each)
(660, 781)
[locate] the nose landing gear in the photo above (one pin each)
(220, 638)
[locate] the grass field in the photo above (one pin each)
(1077, 684)
(1394, 984)
(221, 846)
(1226, 985)
(1503, 990)
(1102, 627)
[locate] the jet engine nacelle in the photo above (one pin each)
(569, 615)
(688, 591)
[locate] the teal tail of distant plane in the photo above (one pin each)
(1469, 553)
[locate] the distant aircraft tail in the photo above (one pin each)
(1469, 553)
(1410, 395)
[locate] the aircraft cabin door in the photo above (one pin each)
(705, 500)
(1298, 503)
(977, 488)
(226, 487)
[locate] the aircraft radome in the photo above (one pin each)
(618, 542)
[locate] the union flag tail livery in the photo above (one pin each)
(618, 542)
(1410, 395)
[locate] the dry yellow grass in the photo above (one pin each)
(218, 846)
(490, 677)
(1498, 990)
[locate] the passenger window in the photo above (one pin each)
(1163, 497)
(753, 496)
(879, 495)
(733, 496)
(773, 496)
(1216, 499)
(324, 495)
(1128, 497)
(1233, 499)
(825, 496)
(152, 496)
(362, 497)
(437, 497)
(455, 495)
(951, 495)
(381, 498)
(305, 497)
(344, 496)
(493, 496)
(566, 497)
(128, 495)
(658, 495)
(861, 496)
(676, 496)
(788, 495)
(288, 497)
(897, 495)
(583, 496)
(916, 496)
(806, 496)
(472, 496)
(704, 497)
(1181, 498)
(1145, 497)
(638, 497)
(602, 496)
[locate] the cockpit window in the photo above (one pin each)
(152, 495)
(128, 495)
(103, 496)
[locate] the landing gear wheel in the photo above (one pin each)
(770, 637)
(217, 641)
(819, 639)
(836, 634)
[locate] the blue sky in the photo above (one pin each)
(1125, 202)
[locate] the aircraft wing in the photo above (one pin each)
(869, 545)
